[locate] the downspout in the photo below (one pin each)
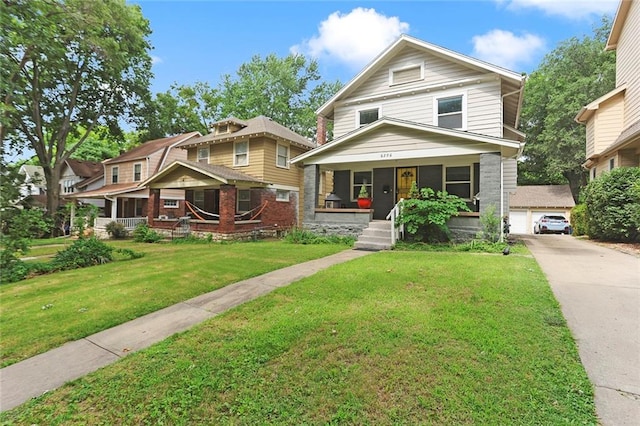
(501, 199)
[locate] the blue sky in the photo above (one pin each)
(202, 40)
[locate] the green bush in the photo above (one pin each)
(144, 234)
(82, 253)
(613, 201)
(426, 213)
(490, 222)
(116, 230)
(579, 219)
(12, 269)
(301, 236)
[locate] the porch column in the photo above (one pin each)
(153, 206)
(490, 181)
(227, 208)
(311, 186)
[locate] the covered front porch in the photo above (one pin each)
(219, 201)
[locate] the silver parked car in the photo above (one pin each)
(551, 224)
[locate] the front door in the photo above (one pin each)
(405, 176)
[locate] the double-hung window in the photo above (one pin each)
(244, 200)
(137, 172)
(114, 174)
(458, 181)
(203, 155)
(282, 156)
(241, 153)
(367, 116)
(360, 179)
(450, 112)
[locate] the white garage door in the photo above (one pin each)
(518, 222)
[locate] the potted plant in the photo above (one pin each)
(364, 201)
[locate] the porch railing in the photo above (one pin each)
(129, 223)
(397, 232)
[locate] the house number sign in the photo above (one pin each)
(385, 155)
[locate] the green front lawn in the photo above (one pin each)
(390, 338)
(44, 312)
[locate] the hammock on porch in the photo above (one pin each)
(195, 209)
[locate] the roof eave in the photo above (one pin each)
(618, 24)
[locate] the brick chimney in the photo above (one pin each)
(321, 130)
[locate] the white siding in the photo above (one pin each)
(510, 174)
(628, 63)
(484, 109)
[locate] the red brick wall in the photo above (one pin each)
(280, 213)
(227, 208)
(321, 130)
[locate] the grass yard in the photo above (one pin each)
(44, 312)
(389, 338)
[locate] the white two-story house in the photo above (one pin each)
(418, 112)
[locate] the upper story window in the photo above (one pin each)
(241, 153)
(366, 116)
(114, 174)
(450, 112)
(223, 128)
(406, 74)
(137, 172)
(203, 154)
(458, 181)
(68, 186)
(282, 156)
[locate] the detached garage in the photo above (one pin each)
(530, 202)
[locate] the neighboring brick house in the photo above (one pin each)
(613, 120)
(422, 113)
(236, 179)
(125, 200)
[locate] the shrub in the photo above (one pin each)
(116, 230)
(144, 234)
(613, 201)
(425, 215)
(12, 269)
(490, 225)
(82, 253)
(301, 236)
(579, 219)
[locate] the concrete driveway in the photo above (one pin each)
(599, 292)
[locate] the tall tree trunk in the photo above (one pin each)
(52, 176)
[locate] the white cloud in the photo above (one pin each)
(574, 9)
(155, 60)
(506, 49)
(354, 38)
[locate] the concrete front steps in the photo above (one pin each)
(376, 237)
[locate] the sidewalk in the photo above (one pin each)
(50, 370)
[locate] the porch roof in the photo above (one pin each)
(108, 191)
(338, 143)
(222, 174)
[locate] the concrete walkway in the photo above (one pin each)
(34, 376)
(599, 292)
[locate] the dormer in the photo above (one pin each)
(227, 126)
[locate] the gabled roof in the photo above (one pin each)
(542, 196)
(256, 126)
(400, 44)
(618, 24)
(150, 147)
(223, 174)
(586, 111)
(84, 169)
(31, 171)
(427, 128)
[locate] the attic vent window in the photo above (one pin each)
(366, 116)
(223, 128)
(406, 74)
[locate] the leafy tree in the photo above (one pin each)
(285, 89)
(613, 203)
(572, 75)
(10, 183)
(181, 109)
(66, 67)
(100, 144)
